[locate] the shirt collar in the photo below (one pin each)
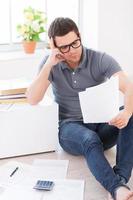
(82, 63)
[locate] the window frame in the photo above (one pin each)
(11, 46)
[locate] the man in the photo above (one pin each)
(72, 68)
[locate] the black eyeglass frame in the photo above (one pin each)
(69, 46)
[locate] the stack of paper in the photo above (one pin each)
(18, 193)
(22, 182)
(5, 107)
(63, 190)
(100, 103)
(53, 168)
(27, 173)
(20, 185)
(13, 91)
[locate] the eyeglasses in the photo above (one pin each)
(66, 48)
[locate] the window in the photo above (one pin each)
(11, 14)
(4, 22)
(61, 8)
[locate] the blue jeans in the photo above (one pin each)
(90, 140)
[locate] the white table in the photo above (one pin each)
(26, 129)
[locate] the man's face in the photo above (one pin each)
(70, 46)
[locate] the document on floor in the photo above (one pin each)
(100, 103)
(19, 193)
(25, 174)
(17, 181)
(53, 166)
(66, 189)
(63, 190)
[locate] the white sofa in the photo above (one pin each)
(26, 129)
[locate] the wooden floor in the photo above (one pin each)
(77, 170)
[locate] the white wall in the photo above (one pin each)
(115, 31)
(18, 68)
(89, 23)
(19, 64)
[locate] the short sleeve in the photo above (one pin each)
(109, 66)
(41, 66)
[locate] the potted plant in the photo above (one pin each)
(33, 26)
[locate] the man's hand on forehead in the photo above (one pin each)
(52, 46)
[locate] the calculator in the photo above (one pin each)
(44, 185)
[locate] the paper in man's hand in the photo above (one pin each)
(100, 103)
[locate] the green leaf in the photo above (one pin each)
(42, 30)
(37, 17)
(36, 37)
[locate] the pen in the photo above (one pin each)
(13, 171)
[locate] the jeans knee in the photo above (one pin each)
(131, 120)
(130, 123)
(91, 141)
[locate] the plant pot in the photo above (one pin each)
(29, 46)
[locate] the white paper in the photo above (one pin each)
(46, 169)
(22, 174)
(62, 190)
(20, 185)
(19, 193)
(100, 103)
(5, 107)
(54, 168)
(66, 190)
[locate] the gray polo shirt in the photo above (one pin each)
(94, 68)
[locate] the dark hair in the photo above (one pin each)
(61, 26)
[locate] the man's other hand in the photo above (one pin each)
(121, 120)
